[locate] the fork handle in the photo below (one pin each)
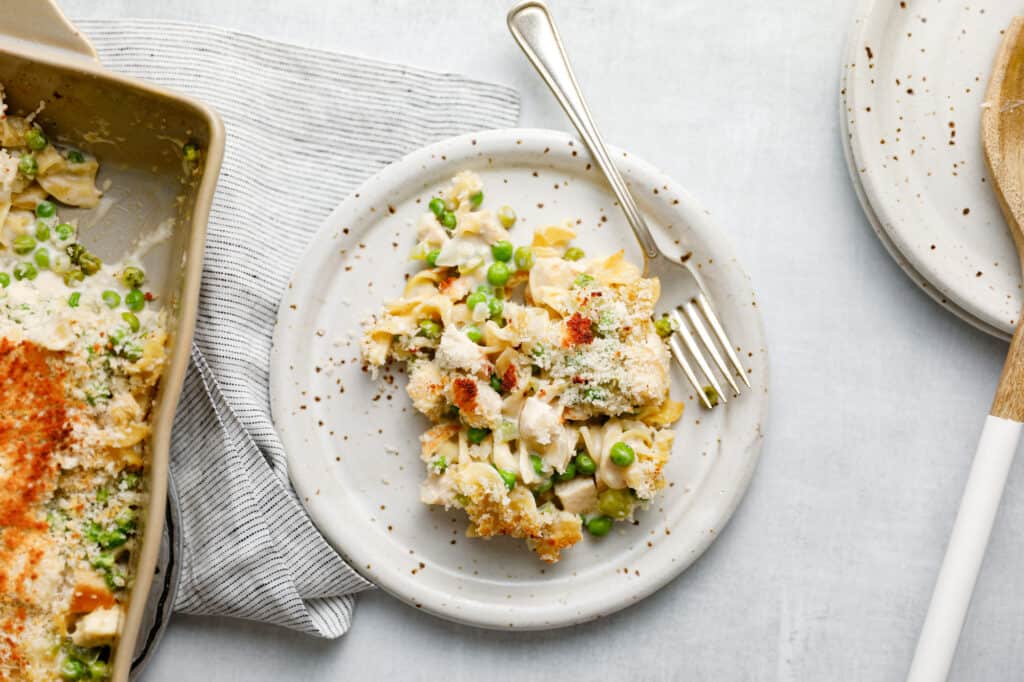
(534, 30)
(966, 549)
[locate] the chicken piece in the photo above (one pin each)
(539, 422)
(90, 593)
(578, 496)
(457, 352)
(479, 404)
(98, 627)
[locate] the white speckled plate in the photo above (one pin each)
(352, 441)
(914, 81)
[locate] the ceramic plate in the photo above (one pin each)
(914, 81)
(352, 441)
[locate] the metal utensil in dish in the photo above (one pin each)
(695, 322)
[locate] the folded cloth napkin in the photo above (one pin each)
(304, 128)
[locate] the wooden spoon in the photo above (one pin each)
(1002, 134)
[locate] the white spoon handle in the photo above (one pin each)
(959, 572)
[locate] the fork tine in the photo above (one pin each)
(677, 353)
(702, 333)
(716, 326)
(691, 345)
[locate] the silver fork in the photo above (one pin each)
(695, 322)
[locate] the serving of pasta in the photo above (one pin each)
(542, 370)
(82, 350)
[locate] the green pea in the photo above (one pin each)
(495, 307)
(190, 151)
(429, 328)
(64, 231)
(506, 216)
(75, 156)
(476, 435)
(113, 538)
(599, 525)
(538, 464)
(89, 263)
(73, 277)
(498, 274)
(98, 670)
(74, 299)
(115, 579)
(615, 503)
(585, 464)
(508, 477)
(475, 299)
(502, 250)
(103, 494)
(111, 298)
(663, 326)
(474, 334)
(569, 473)
(126, 520)
(449, 220)
(36, 140)
(573, 253)
(476, 198)
(432, 257)
(524, 258)
(42, 258)
(25, 271)
(485, 289)
(622, 455)
(133, 277)
(132, 320)
(24, 244)
(712, 395)
(103, 560)
(72, 669)
(496, 383)
(75, 252)
(544, 486)
(28, 166)
(42, 231)
(129, 481)
(436, 206)
(135, 300)
(5, 280)
(46, 209)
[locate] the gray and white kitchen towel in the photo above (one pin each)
(304, 128)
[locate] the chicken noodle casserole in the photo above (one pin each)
(82, 347)
(545, 376)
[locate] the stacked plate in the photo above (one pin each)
(913, 87)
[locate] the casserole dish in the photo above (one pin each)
(137, 132)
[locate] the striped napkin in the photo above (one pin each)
(304, 128)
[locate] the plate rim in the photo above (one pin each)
(869, 212)
(475, 614)
(921, 272)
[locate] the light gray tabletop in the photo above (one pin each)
(878, 393)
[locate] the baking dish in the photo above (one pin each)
(136, 131)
